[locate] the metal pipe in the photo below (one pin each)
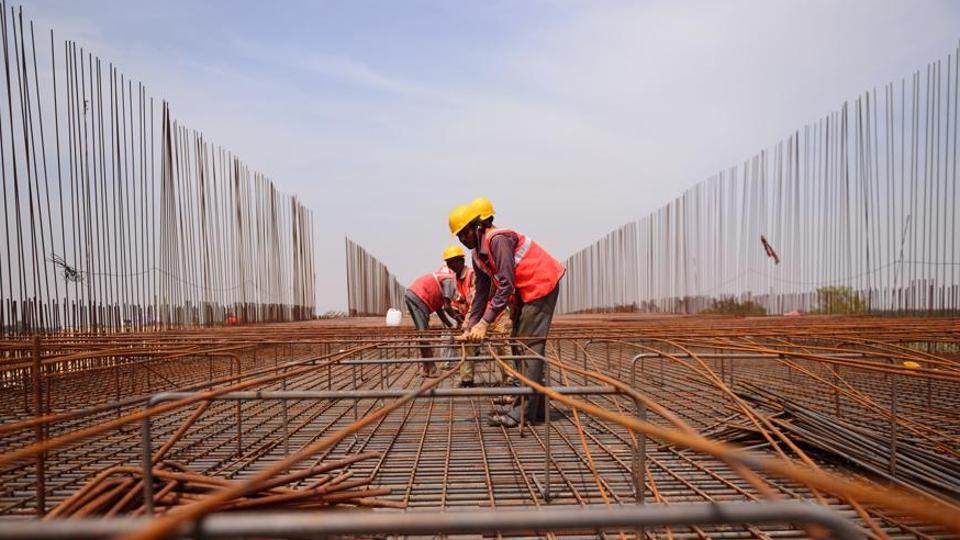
(286, 418)
(547, 428)
(146, 448)
(488, 391)
(893, 425)
(640, 359)
(527, 520)
(639, 464)
(388, 361)
(639, 452)
(41, 489)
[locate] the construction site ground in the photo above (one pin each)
(778, 385)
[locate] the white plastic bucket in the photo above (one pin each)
(393, 317)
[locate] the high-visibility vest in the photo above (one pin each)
(466, 287)
(536, 272)
(428, 289)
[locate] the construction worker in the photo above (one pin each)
(501, 326)
(432, 293)
(516, 266)
(455, 259)
(456, 262)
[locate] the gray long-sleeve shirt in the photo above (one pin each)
(502, 248)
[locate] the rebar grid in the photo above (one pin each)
(439, 453)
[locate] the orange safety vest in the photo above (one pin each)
(536, 272)
(427, 288)
(466, 287)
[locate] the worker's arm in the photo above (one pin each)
(480, 296)
(502, 248)
(444, 315)
(448, 315)
(456, 319)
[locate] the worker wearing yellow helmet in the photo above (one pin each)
(466, 288)
(484, 208)
(432, 293)
(454, 256)
(456, 261)
(509, 264)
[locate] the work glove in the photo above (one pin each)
(477, 333)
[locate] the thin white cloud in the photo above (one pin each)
(342, 69)
(575, 126)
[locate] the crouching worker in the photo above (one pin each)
(508, 262)
(432, 293)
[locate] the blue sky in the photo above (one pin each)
(573, 117)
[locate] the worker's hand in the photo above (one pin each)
(477, 333)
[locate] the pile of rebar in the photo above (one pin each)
(866, 448)
(116, 491)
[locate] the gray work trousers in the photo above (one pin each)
(533, 319)
(421, 319)
(418, 311)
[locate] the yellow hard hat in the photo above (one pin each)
(452, 252)
(910, 364)
(483, 207)
(460, 217)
